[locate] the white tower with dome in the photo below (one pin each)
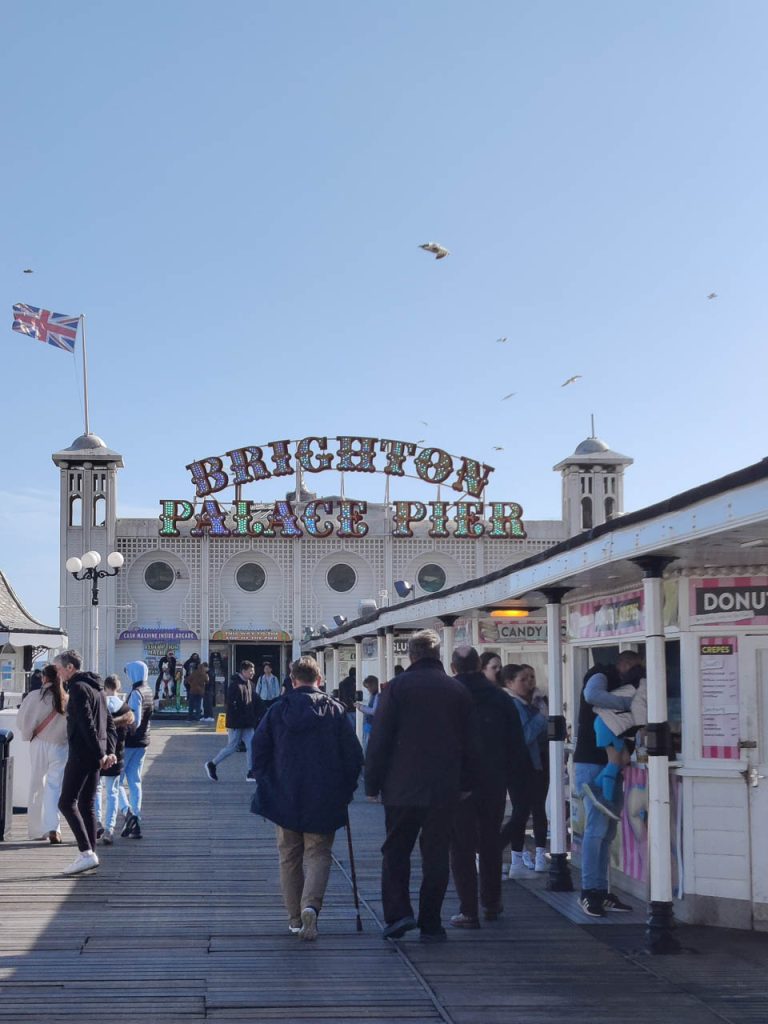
(593, 485)
(88, 517)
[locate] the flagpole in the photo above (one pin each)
(85, 374)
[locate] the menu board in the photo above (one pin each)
(719, 674)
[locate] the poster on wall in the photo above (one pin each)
(719, 674)
(154, 651)
(616, 615)
(6, 673)
(629, 850)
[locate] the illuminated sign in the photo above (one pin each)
(253, 635)
(319, 518)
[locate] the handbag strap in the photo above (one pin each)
(46, 721)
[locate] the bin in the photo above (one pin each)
(6, 784)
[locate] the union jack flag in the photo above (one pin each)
(54, 328)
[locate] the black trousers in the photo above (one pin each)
(529, 800)
(78, 789)
(476, 827)
(432, 827)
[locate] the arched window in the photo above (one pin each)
(99, 511)
(75, 511)
(586, 513)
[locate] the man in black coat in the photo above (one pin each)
(501, 757)
(306, 761)
(87, 716)
(244, 710)
(420, 760)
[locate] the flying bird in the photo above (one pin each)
(439, 250)
(712, 295)
(424, 422)
(497, 448)
(571, 380)
(510, 395)
(500, 341)
(27, 271)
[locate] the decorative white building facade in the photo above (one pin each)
(228, 589)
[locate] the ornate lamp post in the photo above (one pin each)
(87, 568)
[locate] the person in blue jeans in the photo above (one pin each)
(589, 761)
(244, 712)
(141, 704)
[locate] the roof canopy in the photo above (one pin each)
(17, 626)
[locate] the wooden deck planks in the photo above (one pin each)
(188, 924)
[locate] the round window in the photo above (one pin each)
(158, 576)
(431, 578)
(341, 578)
(250, 577)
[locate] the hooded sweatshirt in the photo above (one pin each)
(307, 760)
(87, 719)
(140, 703)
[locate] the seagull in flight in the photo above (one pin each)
(712, 295)
(497, 448)
(439, 250)
(571, 380)
(510, 395)
(500, 341)
(424, 422)
(27, 271)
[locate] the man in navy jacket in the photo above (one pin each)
(306, 761)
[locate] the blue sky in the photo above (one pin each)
(234, 194)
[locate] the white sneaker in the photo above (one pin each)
(83, 862)
(541, 863)
(517, 868)
(308, 924)
(528, 860)
(294, 928)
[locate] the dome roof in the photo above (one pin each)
(86, 441)
(87, 448)
(591, 446)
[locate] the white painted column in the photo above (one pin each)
(320, 659)
(449, 640)
(560, 875)
(205, 597)
(359, 716)
(335, 680)
(475, 621)
(660, 921)
(297, 626)
(382, 653)
(390, 652)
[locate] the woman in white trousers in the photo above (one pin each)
(42, 721)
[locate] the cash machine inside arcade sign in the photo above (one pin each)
(322, 517)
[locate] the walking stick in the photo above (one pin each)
(354, 875)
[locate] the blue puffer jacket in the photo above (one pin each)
(307, 760)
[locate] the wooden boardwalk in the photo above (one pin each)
(188, 924)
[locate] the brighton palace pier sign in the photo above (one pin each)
(468, 519)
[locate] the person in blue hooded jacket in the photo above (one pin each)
(136, 742)
(306, 761)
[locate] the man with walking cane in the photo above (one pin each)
(306, 761)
